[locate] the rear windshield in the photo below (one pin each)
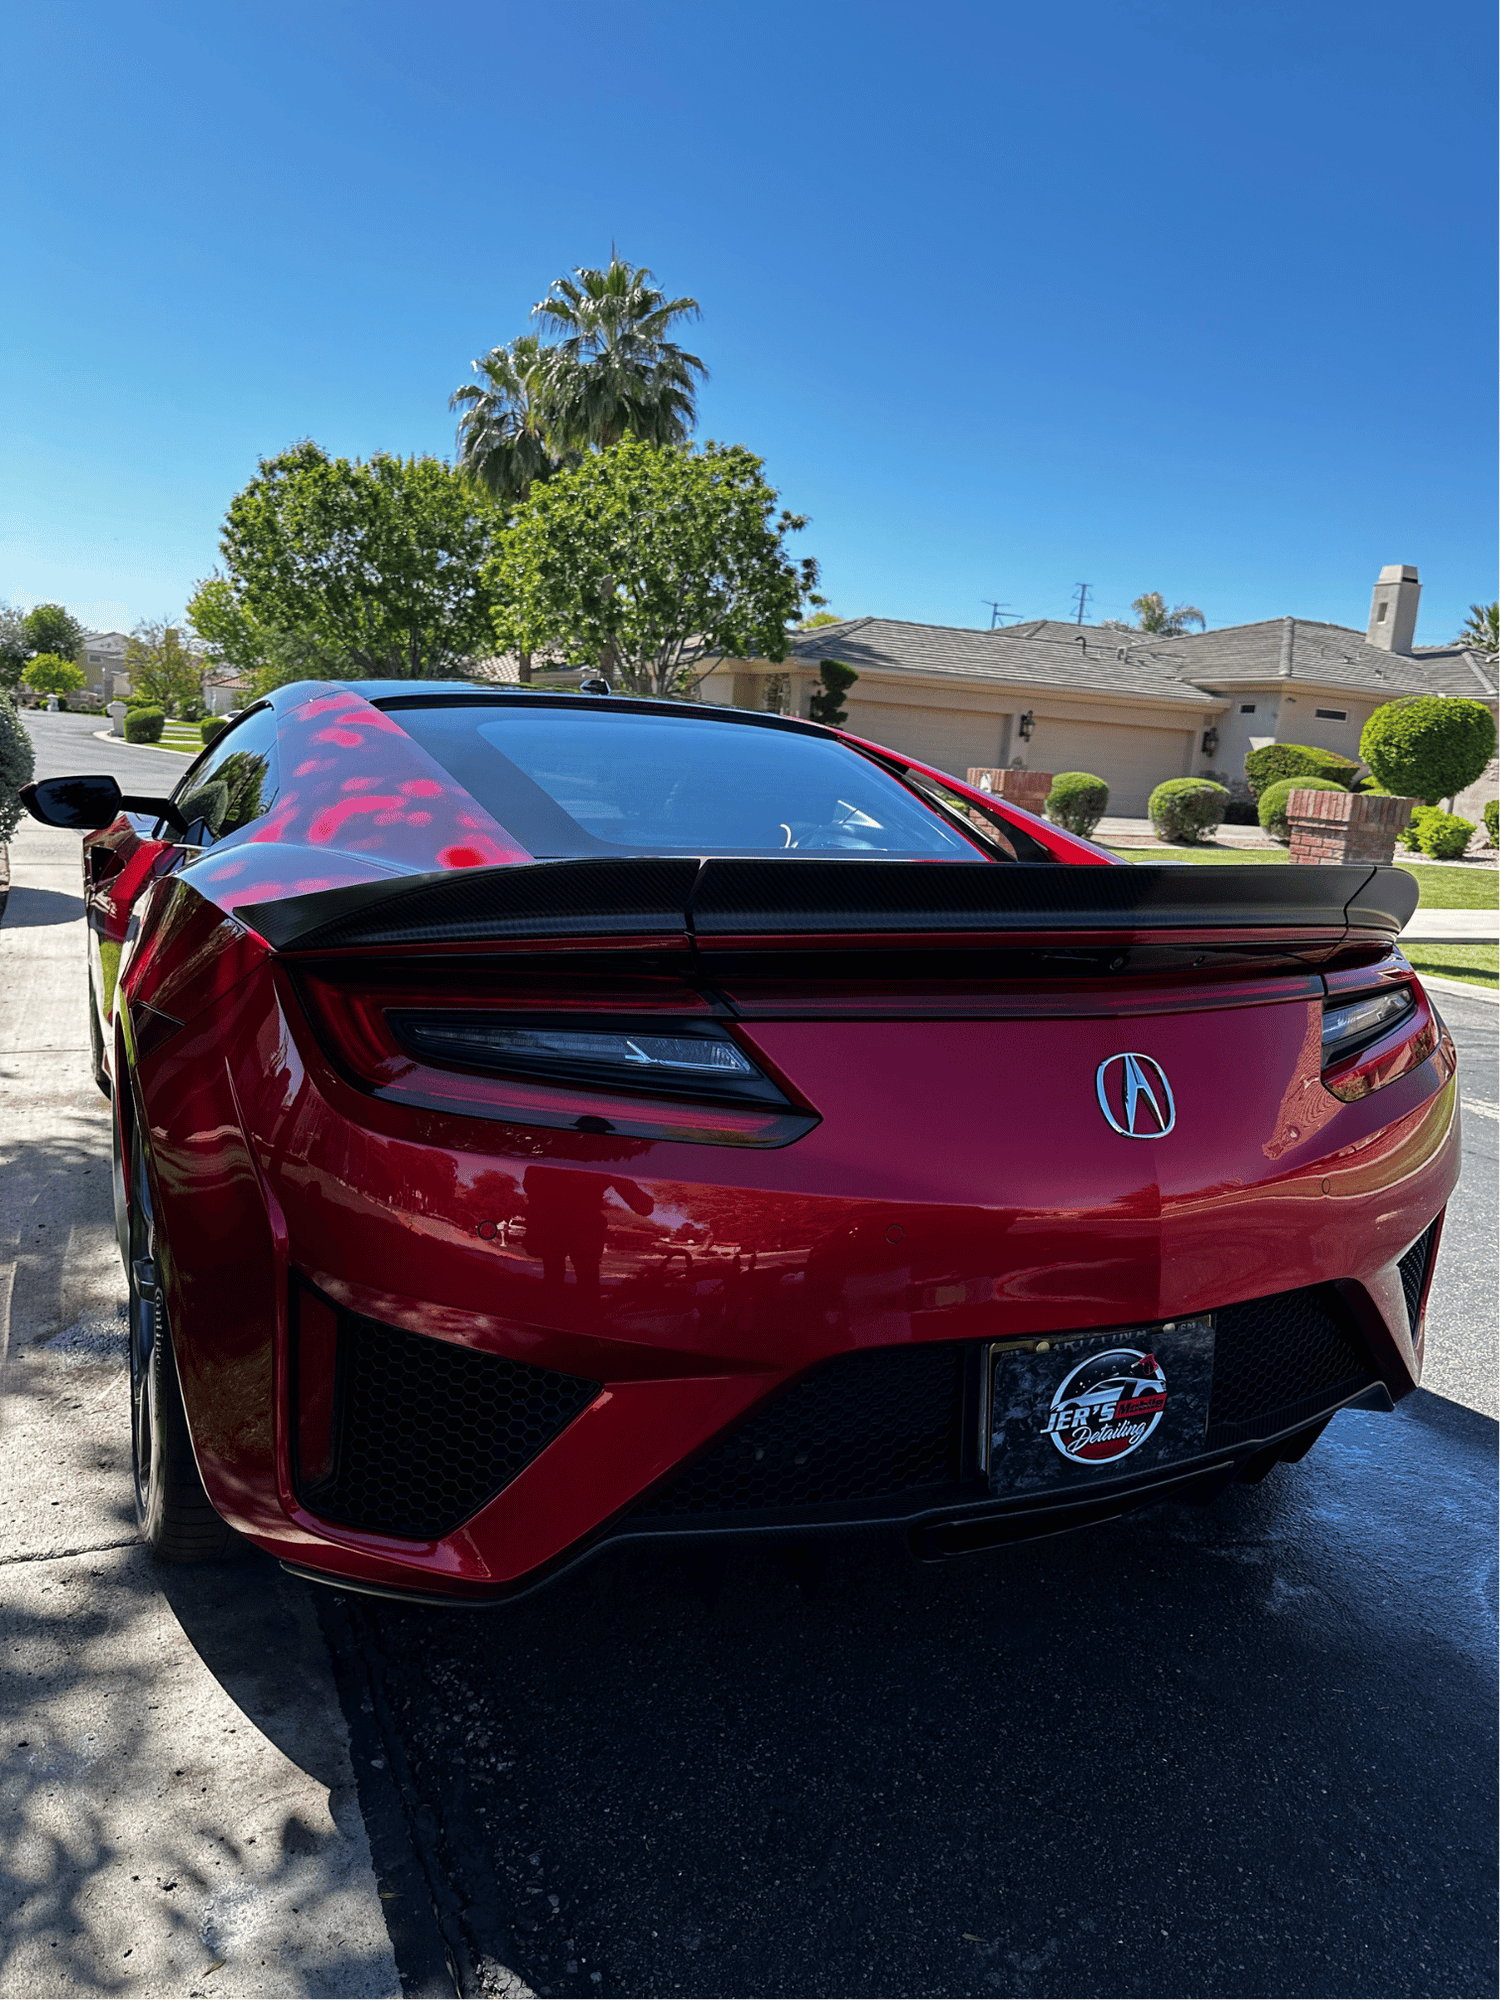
(570, 781)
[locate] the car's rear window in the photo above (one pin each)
(569, 781)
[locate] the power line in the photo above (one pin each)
(1083, 590)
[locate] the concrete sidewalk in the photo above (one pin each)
(180, 1814)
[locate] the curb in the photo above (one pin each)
(108, 736)
(1457, 986)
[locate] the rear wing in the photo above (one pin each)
(648, 898)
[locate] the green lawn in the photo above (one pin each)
(1475, 964)
(1472, 888)
(182, 736)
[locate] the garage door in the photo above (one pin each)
(950, 739)
(1131, 761)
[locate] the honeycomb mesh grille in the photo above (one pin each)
(428, 1431)
(867, 1426)
(1413, 1269)
(1280, 1359)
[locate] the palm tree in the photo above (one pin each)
(1152, 612)
(615, 370)
(506, 435)
(1481, 631)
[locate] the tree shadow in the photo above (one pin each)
(35, 909)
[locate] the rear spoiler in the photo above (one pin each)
(678, 898)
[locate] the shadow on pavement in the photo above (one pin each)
(37, 908)
(1244, 1749)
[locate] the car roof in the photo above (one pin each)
(398, 694)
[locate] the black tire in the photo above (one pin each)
(173, 1513)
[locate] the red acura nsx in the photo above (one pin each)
(542, 1120)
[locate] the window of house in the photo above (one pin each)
(1331, 714)
(1247, 708)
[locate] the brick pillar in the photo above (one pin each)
(1345, 826)
(1026, 789)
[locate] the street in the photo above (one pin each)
(1243, 1749)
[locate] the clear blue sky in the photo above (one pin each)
(1188, 295)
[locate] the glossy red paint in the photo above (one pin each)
(955, 1181)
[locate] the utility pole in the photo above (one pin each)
(1083, 590)
(996, 610)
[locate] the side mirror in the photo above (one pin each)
(86, 804)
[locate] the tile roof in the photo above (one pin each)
(1108, 663)
(1047, 653)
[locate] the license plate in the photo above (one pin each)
(1080, 1409)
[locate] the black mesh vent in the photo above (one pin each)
(428, 1431)
(868, 1426)
(1413, 1269)
(1280, 1360)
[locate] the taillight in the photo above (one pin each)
(1371, 1038)
(642, 1077)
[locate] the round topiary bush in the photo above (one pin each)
(1428, 746)
(1184, 809)
(1443, 835)
(144, 725)
(1275, 761)
(17, 763)
(1273, 803)
(1077, 801)
(212, 726)
(1491, 817)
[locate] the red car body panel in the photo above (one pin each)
(957, 1183)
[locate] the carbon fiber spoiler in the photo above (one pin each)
(646, 897)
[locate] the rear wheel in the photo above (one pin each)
(172, 1511)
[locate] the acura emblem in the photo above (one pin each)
(1135, 1097)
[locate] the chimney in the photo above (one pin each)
(1393, 609)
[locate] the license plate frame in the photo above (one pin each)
(1084, 1409)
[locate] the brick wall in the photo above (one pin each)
(1345, 826)
(1026, 789)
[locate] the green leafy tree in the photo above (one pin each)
(817, 618)
(17, 763)
(52, 629)
(1152, 615)
(15, 647)
(270, 656)
(652, 565)
(1482, 630)
(50, 673)
(1428, 746)
(163, 668)
(615, 370)
(827, 704)
(379, 562)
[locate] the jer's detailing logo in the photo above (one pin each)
(1135, 1097)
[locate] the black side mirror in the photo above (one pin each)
(86, 804)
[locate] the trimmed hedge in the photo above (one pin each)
(1428, 746)
(144, 725)
(1077, 801)
(1184, 809)
(212, 726)
(1273, 803)
(1441, 834)
(1275, 761)
(1491, 816)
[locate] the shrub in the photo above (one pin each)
(1273, 803)
(16, 766)
(827, 704)
(1184, 809)
(1241, 812)
(1077, 801)
(1441, 834)
(212, 726)
(1428, 746)
(144, 725)
(1274, 761)
(1491, 811)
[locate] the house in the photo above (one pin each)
(103, 660)
(1132, 707)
